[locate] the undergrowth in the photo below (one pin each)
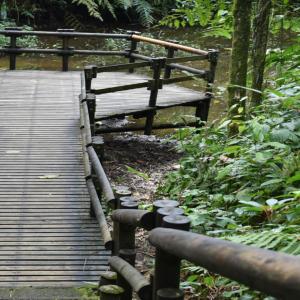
(24, 41)
(245, 188)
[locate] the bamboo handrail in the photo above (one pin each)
(158, 42)
(97, 208)
(136, 280)
(101, 176)
(274, 273)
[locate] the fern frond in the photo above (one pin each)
(277, 241)
(72, 21)
(91, 6)
(144, 10)
(107, 5)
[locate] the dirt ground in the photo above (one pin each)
(139, 162)
(150, 158)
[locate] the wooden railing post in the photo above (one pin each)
(65, 46)
(167, 266)
(91, 104)
(123, 236)
(125, 223)
(170, 294)
(170, 54)
(132, 49)
(128, 255)
(202, 108)
(124, 246)
(154, 85)
(121, 191)
(90, 72)
(163, 204)
(166, 211)
(12, 45)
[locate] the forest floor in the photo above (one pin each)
(140, 162)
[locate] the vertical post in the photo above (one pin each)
(91, 104)
(12, 45)
(164, 203)
(202, 108)
(167, 266)
(170, 294)
(129, 255)
(65, 47)
(166, 211)
(154, 85)
(90, 72)
(107, 278)
(170, 54)
(98, 144)
(124, 237)
(132, 49)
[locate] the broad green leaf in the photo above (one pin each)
(272, 201)
(271, 182)
(138, 173)
(251, 203)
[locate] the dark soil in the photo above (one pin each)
(153, 157)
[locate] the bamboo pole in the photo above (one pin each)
(140, 38)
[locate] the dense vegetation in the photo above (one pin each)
(73, 13)
(245, 186)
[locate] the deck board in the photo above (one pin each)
(64, 88)
(47, 237)
(134, 101)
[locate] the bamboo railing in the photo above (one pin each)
(161, 67)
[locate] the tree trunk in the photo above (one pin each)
(260, 41)
(239, 56)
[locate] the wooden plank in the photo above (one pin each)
(47, 236)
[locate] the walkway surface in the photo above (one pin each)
(47, 237)
(135, 101)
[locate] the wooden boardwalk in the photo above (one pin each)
(137, 100)
(47, 237)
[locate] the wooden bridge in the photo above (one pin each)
(47, 236)
(53, 229)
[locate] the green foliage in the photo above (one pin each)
(138, 173)
(214, 16)
(31, 11)
(246, 179)
(94, 7)
(143, 8)
(89, 292)
(26, 41)
(278, 239)
(245, 188)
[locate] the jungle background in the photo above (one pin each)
(237, 177)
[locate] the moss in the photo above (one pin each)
(89, 292)
(111, 289)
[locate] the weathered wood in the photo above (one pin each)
(130, 102)
(136, 280)
(97, 208)
(276, 274)
(46, 234)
